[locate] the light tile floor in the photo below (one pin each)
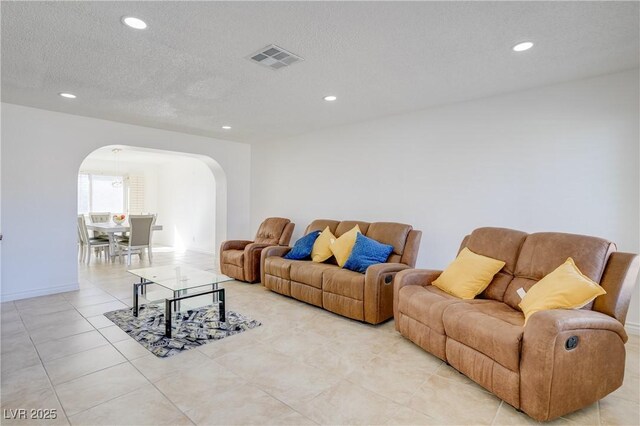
(303, 366)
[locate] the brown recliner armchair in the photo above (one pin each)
(240, 259)
(563, 360)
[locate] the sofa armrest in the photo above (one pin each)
(255, 247)
(411, 277)
(252, 253)
(411, 248)
(270, 251)
(378, 291)
(231, 245)
(548, 324)
(569, 359)
(234, 245)
(618, 280)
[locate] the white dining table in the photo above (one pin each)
(111, 229)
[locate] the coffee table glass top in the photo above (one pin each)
(179, 277)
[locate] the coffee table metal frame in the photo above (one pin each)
(178, 295)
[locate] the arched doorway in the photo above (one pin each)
(187, 191)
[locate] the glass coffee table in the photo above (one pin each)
(185, 282)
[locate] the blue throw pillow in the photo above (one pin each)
(367, 252)
(302, 248)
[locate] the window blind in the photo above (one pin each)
(136, 195)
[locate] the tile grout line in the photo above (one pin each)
(115, 397)
(87, 374)
(495, 416)
(281, 401)
(167, 398)
(108, 342)
(53, 388)
(257, 386)
(74, 353)
(343, 377)
(126, 360)
(150, 381)
(418, 388)
(108, 400)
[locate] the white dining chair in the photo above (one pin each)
(125, 238)
(100, 217)
(87, 243)
(155, 219)
(139, 238)
(80, 245)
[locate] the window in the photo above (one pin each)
(97, 194)
(84, 205)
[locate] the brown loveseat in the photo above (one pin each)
(562, 360)
(364, 297)
(240, 259)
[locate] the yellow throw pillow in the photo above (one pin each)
(564, 288)
(468, 275)
(343, 246)
(321, 248)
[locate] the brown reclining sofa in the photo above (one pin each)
(562, 360)
(365, 297)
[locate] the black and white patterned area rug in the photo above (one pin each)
(192, 328)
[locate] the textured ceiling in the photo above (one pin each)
(188, 71)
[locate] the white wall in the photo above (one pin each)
(42, 152)
(186, 206)
(561, 158)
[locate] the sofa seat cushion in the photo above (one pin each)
(233, 257)
(491, 328)
(344, 283)
(310, 273)
(278, 267)
(425, 305)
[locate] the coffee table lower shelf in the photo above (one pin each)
(175, 301)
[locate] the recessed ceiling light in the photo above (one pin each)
(134, 23)
(330, 98)
(521, 47)
(67, 95)
(226, 127)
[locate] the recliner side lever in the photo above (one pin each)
(571, 343)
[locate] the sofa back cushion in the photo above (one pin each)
(543, 252)
(270, 230)
(393, 234)
(501, 244)
(320, 224)
(347, 225)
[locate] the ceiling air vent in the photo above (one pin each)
(274, 57)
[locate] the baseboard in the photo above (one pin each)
(38, 292)
(632, 328)
(195, 250)
(210, 252)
